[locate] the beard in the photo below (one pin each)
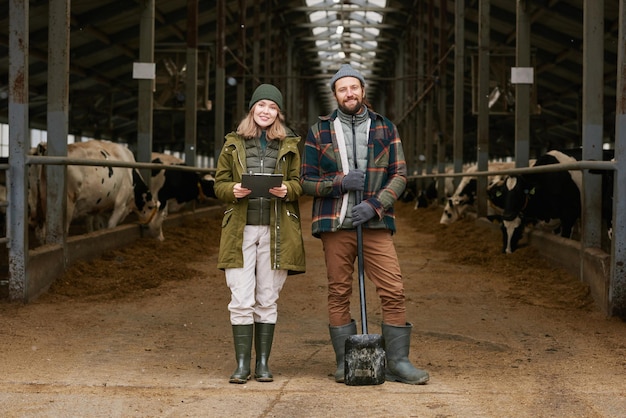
(351, 110)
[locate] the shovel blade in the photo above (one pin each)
(364, 360)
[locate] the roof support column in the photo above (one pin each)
(191, 93)
(19, 144)
(145, 95)
(522, 91)
(617, 289)
(407, 132)
(397, 84)
(241, 67)
(482, 148)
(58, 107)
(256, 36)
(459, 87)
(428, 124)
(268, 43)
(420, 121)
(290, 85)
(441, 99)
(220, 72)
(592, 118)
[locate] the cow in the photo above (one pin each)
(464, 197)
(531, 198)
(169, 191)
(426, 196)
(430, 194)
(91, 190)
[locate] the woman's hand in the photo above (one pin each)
(240, 192)
(280, 191)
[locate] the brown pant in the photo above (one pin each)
(381, 267)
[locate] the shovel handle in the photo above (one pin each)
(361, 269)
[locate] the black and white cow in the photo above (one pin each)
(464, 197)
(170, 189)
(430, 194)
(425, 196)
(174, 188)
(531, 198)
(92, 191)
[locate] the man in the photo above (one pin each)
(357, 150)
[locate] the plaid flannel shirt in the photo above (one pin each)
(322, 173)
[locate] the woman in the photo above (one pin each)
(261, 241)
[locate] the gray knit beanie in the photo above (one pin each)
(268, 92)
(346, 70)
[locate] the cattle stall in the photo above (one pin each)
(31, 268)
(590, 264)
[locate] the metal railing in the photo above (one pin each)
(581, 165)
(50, 160)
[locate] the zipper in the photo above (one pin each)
(262, 158)
(281, 164)
(262, 153)
(357, 194)
(277, 204)
(238, 156)
(356, 163)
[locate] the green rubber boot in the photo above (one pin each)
(397, 342)
(242, 334)
(263, 337)
(338, 336)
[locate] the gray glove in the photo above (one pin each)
(354, 180)
(362, 213)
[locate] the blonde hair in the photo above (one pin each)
(249, 129)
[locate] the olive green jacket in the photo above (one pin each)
(287, 247)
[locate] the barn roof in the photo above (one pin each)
(263, 37)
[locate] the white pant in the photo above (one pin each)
(255, 288)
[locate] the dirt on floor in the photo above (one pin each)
(144, 331)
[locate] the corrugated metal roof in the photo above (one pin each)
(105, 43)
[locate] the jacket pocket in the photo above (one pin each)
(226, 219)
(328, 160)
(382, 159)
(294, 220)
(292, 215)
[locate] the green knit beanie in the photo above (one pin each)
(268, 92)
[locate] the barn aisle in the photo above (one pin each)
(144, 332)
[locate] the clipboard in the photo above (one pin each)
(261, 183)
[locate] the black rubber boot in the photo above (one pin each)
(263, 337)
(397, 342)
(338, 336)
(242, 335)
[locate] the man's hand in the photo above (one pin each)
(354, 180)
(362, 213)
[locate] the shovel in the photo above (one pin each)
(364, 353)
